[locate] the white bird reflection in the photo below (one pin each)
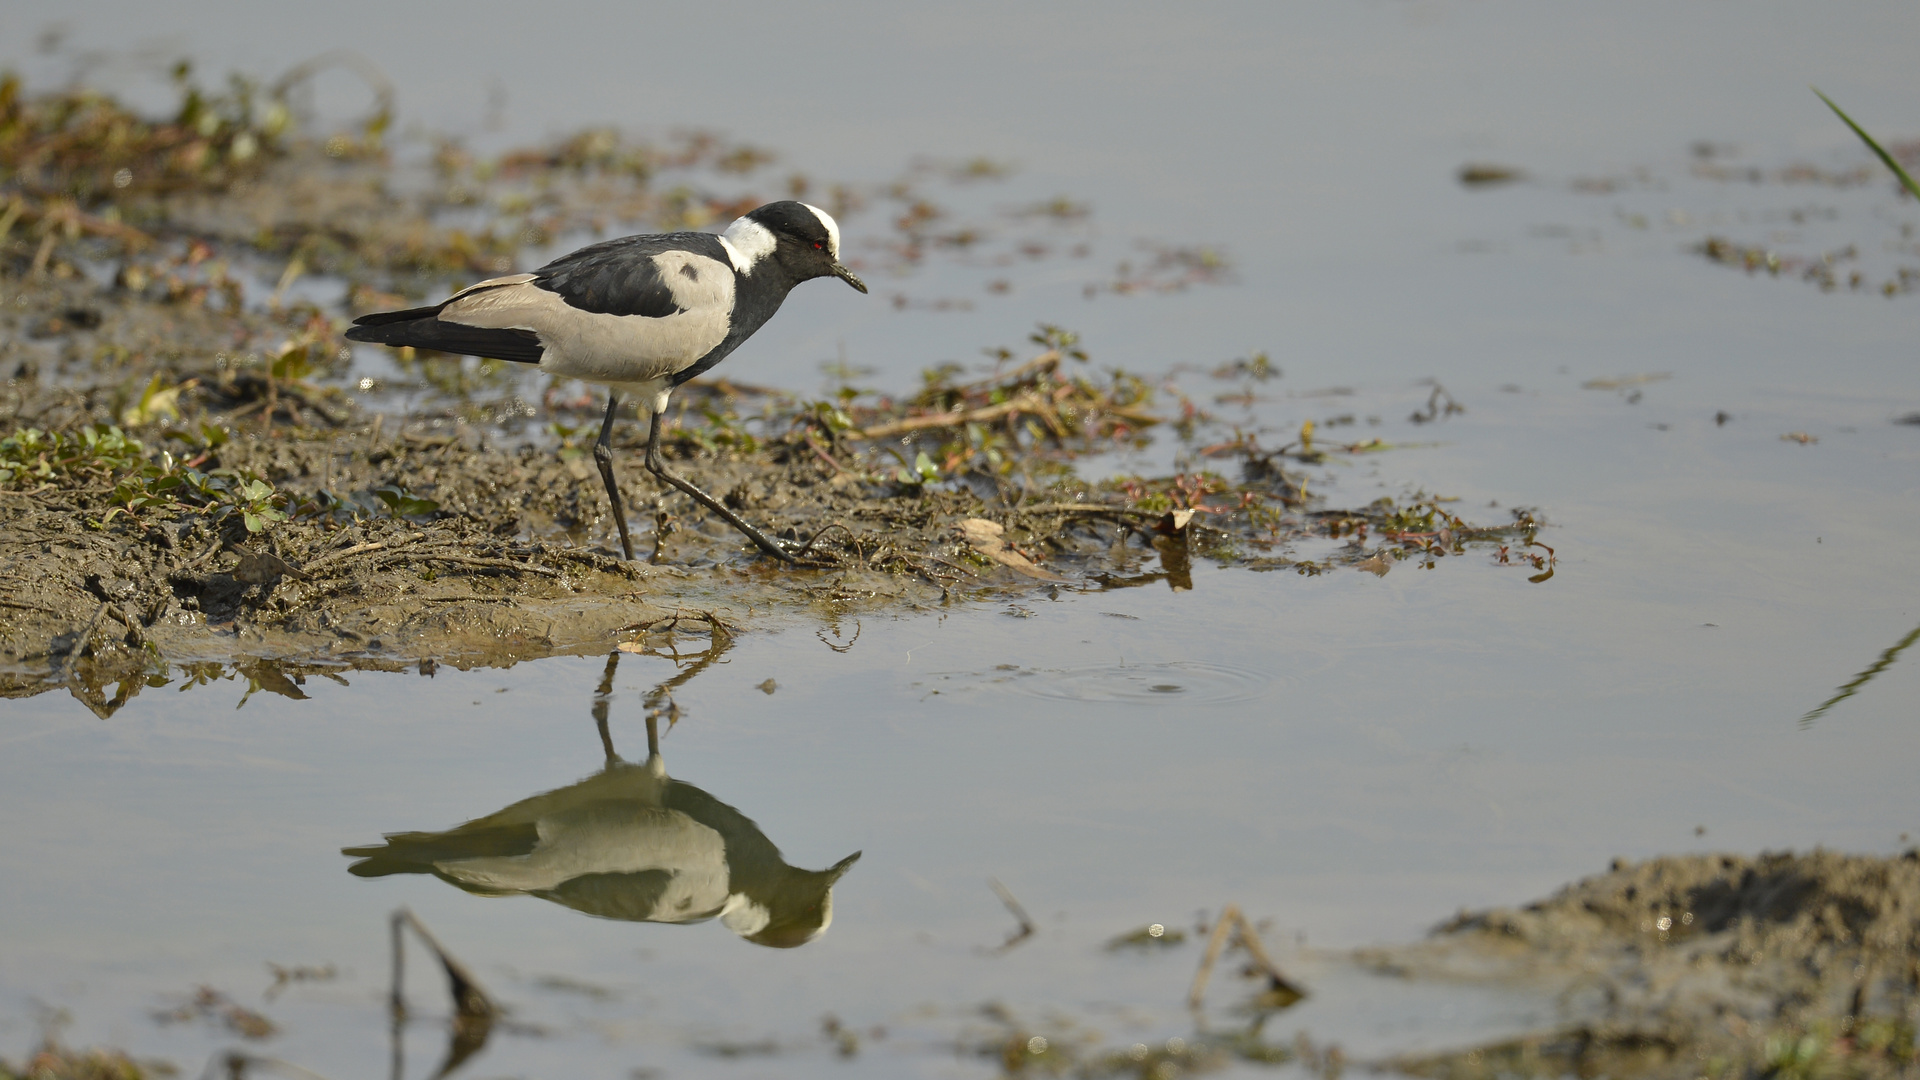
(628, 843)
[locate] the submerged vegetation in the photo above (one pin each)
(53, 1061)
(1829, 225)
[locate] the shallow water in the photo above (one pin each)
(1351, 757)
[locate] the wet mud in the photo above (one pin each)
(1718, 966)
(1697, 965)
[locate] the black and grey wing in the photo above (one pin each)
(651, 276)
(620, 311)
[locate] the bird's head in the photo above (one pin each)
(804, 239)
(795, 912)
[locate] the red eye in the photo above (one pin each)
(819, 245)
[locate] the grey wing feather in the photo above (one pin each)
(417, 852)
(620, 277)
(631, 896)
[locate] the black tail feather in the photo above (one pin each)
(382, 318)
(420, 329)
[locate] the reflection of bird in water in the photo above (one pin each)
(627, 843)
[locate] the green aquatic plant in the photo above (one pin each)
(402, 503)
(573, 438)
(724, 430)
(157, 402)
(31, 456)
(170, 486)
(1880, 152)
(100, 453)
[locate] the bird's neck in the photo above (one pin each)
(756, 296)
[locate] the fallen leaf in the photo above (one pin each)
(1173, 522)
(1377, 565)
(1800, 437)
(989, 539)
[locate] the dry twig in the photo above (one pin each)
(1281, 991)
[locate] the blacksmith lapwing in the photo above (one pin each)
(639, 315)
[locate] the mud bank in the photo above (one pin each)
(1697, 965)
(192, 472)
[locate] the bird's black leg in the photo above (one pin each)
(659, 469)
(603, 457)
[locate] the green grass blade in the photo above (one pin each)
(1912, 187)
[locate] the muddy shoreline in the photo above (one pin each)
(191, 473)
(286, 523)
(1781, 964)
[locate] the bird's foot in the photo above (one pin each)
(800, 555)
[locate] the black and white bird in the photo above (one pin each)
(639, 315)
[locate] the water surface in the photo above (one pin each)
(1350, 757)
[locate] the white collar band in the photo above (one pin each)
(747, 242)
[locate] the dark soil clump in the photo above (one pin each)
(1699, 965)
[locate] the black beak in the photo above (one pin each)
(847, 276)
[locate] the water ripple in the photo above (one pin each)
(1185, 682)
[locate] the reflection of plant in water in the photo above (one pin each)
(1067, 1050)
(659, 638)
(213, 1006)
(1853, 685)
(54, 1060)
(139, 669)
